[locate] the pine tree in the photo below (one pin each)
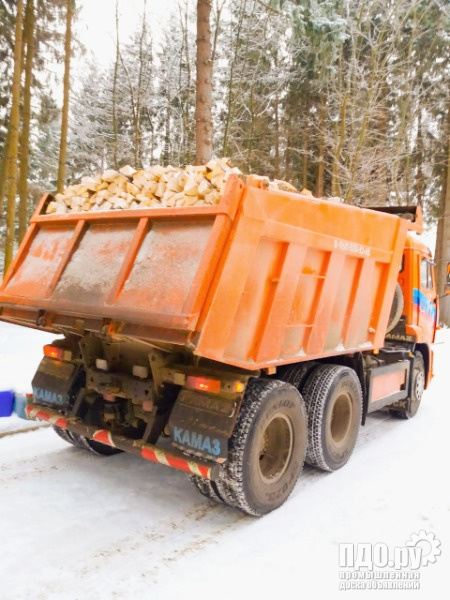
(92, 139)
(173, 109)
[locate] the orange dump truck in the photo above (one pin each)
(233, 342)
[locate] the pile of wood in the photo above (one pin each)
(155, 187)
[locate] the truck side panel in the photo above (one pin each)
(301, 278)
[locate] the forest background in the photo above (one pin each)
(346, 98)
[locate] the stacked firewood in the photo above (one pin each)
(154, 187)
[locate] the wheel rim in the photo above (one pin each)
(275, 451)
(420, 386)
(341, 419)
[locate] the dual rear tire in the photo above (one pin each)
(266, 451)
(333, 399)
(84, 443)
(272, 438)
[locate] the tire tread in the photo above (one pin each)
(316, 392)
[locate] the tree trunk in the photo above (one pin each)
(137, 124)
(321, 158)
(26, 118)
(203, 104)
(185, 149)
(442, 254)
(305, 161)
(13, 146)
(66, 94)
(320, 170)
(277, 136)
(114, 94)
(4, 174)
(419, 183)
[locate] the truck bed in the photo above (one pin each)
(261, 279)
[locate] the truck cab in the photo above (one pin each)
(417, 275)
(420, 313)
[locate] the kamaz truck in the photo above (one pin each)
(233, 342)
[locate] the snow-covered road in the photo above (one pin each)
(74, 526)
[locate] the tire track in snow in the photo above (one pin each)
(32, 427)
(62, 458)
(38, 465)
(152, 552)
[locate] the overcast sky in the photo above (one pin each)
(96, 23)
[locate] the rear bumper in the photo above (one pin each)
(173, 459)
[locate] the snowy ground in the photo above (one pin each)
(74, 526)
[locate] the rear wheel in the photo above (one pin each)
(97, 447)
(418, 387)
(333, 400)
(84, 443)
(64, 434)
(267, 448)
(207, 488)
(297, 374)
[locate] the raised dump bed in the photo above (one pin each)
(263, 278)
(175, 319)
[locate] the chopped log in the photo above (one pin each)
(191, 187)
(132, 189)
(173, 185)
(127, 171)
(190, 200)
(204, 187)
(90, 183)
(150, 187)
(110, 175)
(217, 181)
(284, 186)
(161, 188)
(179, 197)
(213, 197)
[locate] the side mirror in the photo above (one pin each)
(447, 280)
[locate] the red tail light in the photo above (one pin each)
(57, 353)
(204, 384)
